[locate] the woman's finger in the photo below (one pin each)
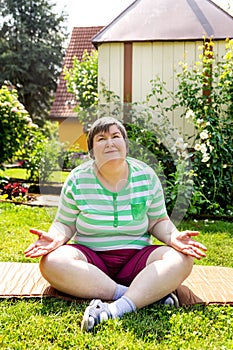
(39, 233)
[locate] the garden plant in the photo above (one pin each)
(205, 91)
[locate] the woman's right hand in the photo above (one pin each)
(44, 244)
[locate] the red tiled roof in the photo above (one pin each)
(64, 101)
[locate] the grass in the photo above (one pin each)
(20, 173)
(55, 324)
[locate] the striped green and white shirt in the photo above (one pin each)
(108, 220)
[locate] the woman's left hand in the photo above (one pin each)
(183, 242)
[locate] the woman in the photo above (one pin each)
(111, 206)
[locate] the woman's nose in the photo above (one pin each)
(109, 141)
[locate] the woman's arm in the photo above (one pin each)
(57, 235)
(166, 232)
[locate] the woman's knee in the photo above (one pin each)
(49, 262)
(176, 258)
(59, 257)
(187, 261)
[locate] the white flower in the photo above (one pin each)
(204, 135)
(179, 141)
(189, 114)
(199, 121)
(184, 154)
(207, 123)
(205, 158)
(197, 147)
(27, 119)
(224, 166)
(211, 148)
(203, 149)
(33, 125)
(180, 144)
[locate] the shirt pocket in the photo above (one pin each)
(138, 209)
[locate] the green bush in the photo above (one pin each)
(82, 80)
(14, 124)
(41, 155)
(205, 91)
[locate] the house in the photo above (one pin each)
(62, 111)
(150, 37)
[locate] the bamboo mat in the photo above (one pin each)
(205, 285)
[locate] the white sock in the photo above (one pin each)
(121, 306)
(119, 292)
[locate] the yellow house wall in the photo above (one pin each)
(71, 133)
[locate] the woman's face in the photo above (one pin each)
(108, 146)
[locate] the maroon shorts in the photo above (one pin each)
(121, 265)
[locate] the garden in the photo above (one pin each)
(197, 181)
(49, 323)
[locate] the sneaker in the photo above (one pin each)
(95, 313)
(170, 299)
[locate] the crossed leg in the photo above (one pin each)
(67, 270)
(166, 269)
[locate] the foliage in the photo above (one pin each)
(205, 91)
(201, 173)
(4, 179)
(41, 155)
(71, 158)
(14, 189)
(15, 124)
(31, 51)
(153, 140)
(22, 139)
(82, 80)
(50, 323)
(16, 192)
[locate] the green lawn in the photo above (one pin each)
(19, 173)
(55, 324)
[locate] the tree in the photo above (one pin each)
(14, 124)
(82, 80)
(31, 51)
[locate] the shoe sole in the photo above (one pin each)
(176, 301)
(84, 324)
(86, 315)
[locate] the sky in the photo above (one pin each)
(83, 13)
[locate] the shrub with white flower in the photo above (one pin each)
(189, 114)
(204, 135)
(205, 91)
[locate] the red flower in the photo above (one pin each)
(14, 190)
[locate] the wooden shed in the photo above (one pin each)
(150, 37)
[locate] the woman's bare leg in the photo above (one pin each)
(166, 269)
(67, 270)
